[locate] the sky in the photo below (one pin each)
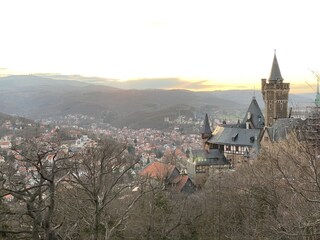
(202, 45)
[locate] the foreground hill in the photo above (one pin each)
(38, 97)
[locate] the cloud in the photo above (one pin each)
(205, 85)
(170, 83)
(151, 83)
(147, 83)
(303, 87)
(4, 71)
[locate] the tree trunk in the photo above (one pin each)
(96, 224)
(49, 234)
(107, 234)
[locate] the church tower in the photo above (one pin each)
(275, 94)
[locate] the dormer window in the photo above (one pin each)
(234, 137)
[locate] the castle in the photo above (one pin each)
(230, 144)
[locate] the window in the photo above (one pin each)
(200, 169)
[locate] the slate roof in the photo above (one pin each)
(282, 127)
(254, 115)
(216, 157)
(206, 126)
(275, 74)
(234, 125)
(235, 136)
(211, 157)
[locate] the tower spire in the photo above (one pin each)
(275, 94)
(206, 133)
(275, 74)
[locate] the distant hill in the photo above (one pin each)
(4, 117)
(38, 97)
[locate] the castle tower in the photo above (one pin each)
(206, 132)
(275, 95)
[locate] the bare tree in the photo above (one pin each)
(100, 190)
(298, 163)
(31, 179)
(163, 213)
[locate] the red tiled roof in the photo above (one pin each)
(158, 170)
(163, 171)
(180, 181)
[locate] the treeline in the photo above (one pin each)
(50, 193)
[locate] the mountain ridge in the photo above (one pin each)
(37, 97)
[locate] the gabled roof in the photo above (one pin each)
(183, 183)
(226, 136)
(158, 170)
(179, 182)
(214, 157)
(168, 172)
(282, 127)
(254, 115)
(275, 74)
(206, 126)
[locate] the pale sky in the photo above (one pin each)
(225, 42)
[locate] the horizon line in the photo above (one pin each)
(200, 85)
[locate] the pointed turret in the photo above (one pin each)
(254, 118)
(275, 74)
(206, 132)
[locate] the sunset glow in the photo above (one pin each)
(209, 45)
